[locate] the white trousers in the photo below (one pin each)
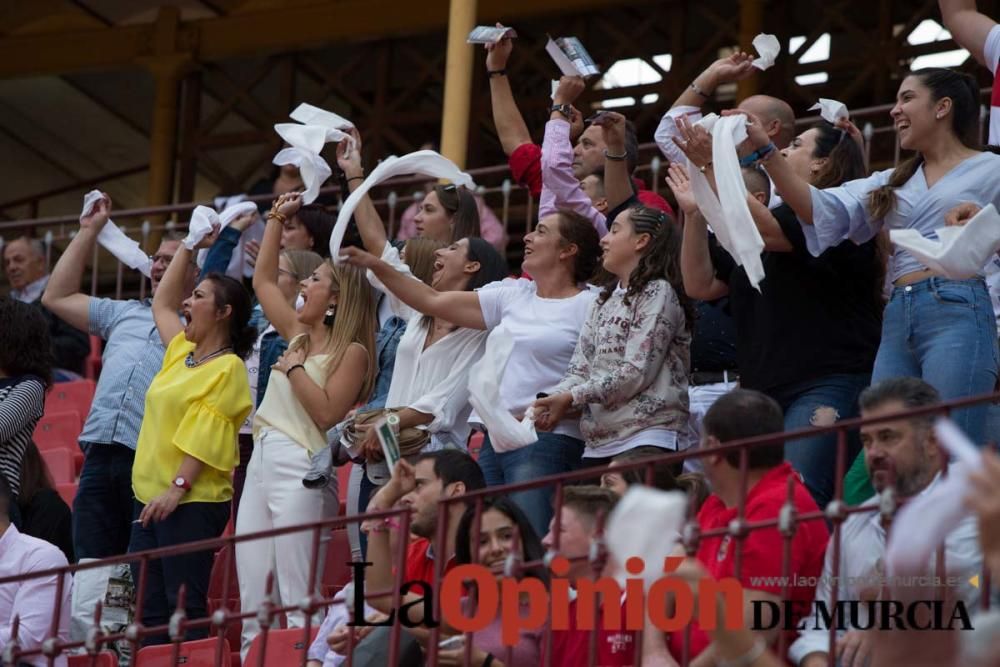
(700, 399)
(274, 497)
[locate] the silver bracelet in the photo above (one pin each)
(695, 88)
(748, 658)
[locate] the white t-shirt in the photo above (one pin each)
(545, 333)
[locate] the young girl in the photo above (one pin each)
(25, 373)
(629, 371)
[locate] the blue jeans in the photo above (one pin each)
(943, 331)
(551, 454)
(102, 509)
(190, 522)
(820, 402)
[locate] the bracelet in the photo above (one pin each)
(355, 178)
(758, 155)
(615, 158)
(289, 371)
(488, 660)
(496, 72)
(277, 216)
(699, 91)
(748, 658)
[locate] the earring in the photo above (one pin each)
(329, 315)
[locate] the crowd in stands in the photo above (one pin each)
(261, 367)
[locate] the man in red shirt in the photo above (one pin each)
(738, 415)
(578, 520)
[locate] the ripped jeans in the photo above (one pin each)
(820, 402)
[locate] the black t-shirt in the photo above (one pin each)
(813, 316)
(713, 345)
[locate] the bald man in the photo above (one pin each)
(776, 115)
(24, 266)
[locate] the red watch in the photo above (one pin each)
(182, 483)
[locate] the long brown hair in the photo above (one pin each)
(35, 475)
(462, 208)
(574, 229)
(420, 257)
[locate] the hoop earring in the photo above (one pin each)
(328, 317)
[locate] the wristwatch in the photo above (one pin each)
(182, 483)
(564, 109)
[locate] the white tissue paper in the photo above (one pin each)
(114, 240)
(203, 219)
(960, 252)
(925, 521)
(768, 47)
(728, 213)
(506, 432)
(425, 163)
(830, 110)
(306, 139)
(646, 523)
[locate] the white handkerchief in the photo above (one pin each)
(114, 240)
(924, 522)
(306, 141)
(236, 210)
(310, 115)
(768, 47)
(312, 168)
(506, 433)
(425, 163)
(959, 252)
(830, 110)
(203, 219)
(728, 213)
(646, 523)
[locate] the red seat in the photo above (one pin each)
(337, 571)
(92, 366)
(58, 430)
(284, 647)
(476, 444)
(343, 481)
(200, 653)
(217, 596)
(68, 492)
(73, 396)
(62, 467)
(102, 659)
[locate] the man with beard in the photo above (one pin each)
(902, 453)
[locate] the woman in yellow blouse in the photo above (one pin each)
(182, 475)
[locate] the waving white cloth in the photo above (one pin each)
(203, 219)
(768, 47)
(506, 433)
(114, 240)
(645, 523)
(728, 213)
(830, 110)
(960, 252)
(426, 163)
(924, 522)
(232, 208)
(306, 139)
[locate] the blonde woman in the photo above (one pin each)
(329, 367)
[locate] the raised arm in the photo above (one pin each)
(369, 222)
(221, 252)
(62, 294)
(618, 186)
(968, 27)
(511, 128)
(460, 308)
(169, 296)
(265, 275)
(697, 269)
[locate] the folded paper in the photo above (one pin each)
(830, 110)
(425, 163)
(768, 47)
(570, 57)
(506, 432)
(646, 523)
(959, 252)
(925, 521)
(315, 128)
(114, 240)
(485, 34)
(728, 213)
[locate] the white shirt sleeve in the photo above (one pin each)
(391, 257)
(494, 297)
(811, 640)
(991, 49)
(450, 396)
(667, 130)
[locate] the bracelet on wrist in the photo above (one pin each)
(698, 90)
(758, 155)
(615, 158)
(355, 178)
(277, 216)
(705, 167)
(289, 371)
(496, 72)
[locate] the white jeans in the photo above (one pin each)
(274, 497)
(700, 399)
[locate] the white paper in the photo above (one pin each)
(203, 219)
(114, 240)
(555, 86)
(506, 432)
(487, 34)
(728, 213)
(830, 110)
(571, 57)
(646, 523)
(768, 47)
(232, 208)
(960, 252)
(923, 523)
(425, 163)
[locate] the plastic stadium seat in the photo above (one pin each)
(199, 653)
(104, 659)
(284, 647)
(476, 444)
(71, 397)
(58, 429)
(216, 594)
(61, 465)
(68, 492)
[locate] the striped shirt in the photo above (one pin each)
(22, 401)
(132, 356)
